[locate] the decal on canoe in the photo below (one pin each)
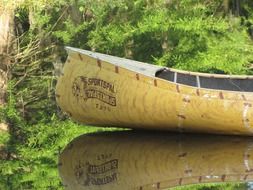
(97, 174)
(94, 88)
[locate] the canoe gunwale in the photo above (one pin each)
(243, 95)
(211, 75)
(135, 66)
(206, 82)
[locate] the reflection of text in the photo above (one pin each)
(102, 174)
(103, 180)
(99, 169)
(97, 174)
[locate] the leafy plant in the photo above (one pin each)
(192, 35)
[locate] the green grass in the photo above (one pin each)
(4, 137)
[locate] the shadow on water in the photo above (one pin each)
(154, 160)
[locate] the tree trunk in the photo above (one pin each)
(7, 36)
(237, 7)
(226, 6)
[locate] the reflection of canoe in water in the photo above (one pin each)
(130, 160)
(103, 90)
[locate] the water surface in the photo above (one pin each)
(154, 160)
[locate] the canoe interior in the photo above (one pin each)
(229, 84)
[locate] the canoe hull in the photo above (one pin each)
(95, 92)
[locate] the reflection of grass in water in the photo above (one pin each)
(34, 164)
(214, 186)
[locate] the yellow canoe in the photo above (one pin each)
(103, 90)
(144, 161)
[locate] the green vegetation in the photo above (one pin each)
(205, 36)
(33, 149)
(214, 186)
